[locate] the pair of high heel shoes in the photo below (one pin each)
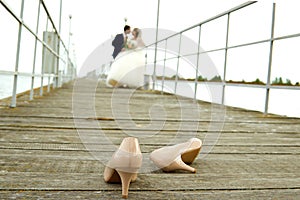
(126, 161)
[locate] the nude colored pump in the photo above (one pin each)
(124, 164)
(177, 157)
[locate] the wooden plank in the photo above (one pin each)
(291, 194)
(153, 182)
(103, 146)
(84, 162)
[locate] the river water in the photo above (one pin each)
(281, 101)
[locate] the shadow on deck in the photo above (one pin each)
(42, 155)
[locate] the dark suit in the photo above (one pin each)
(118, 43)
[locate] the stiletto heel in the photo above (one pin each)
(179, 164)
(126, 178)
(124, 164)
(177, 157)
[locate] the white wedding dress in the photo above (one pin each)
(128, 69)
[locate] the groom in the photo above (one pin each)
(120, 41)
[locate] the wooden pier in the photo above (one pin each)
(43, 156)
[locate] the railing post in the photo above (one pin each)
(34, 56)
(164, 69)
(156, 38)
(57, 78)
(146, 80)
(225, 60)
(14, 92)
(48, 86)
(68, 51)
(49, 77)
(197, 67)
(178, 61)
(42, 77)
(73, 70)
(270, 61)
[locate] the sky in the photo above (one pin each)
(94, 22)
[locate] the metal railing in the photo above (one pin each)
(61, 54)
(223, 82)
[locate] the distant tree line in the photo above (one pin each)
(279, 81)
(217, 78)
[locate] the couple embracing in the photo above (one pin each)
(128, 68)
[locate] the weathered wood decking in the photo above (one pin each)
(42, 155)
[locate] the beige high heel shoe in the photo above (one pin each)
(177, 157)
(124, 164)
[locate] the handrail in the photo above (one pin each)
(235, 46)
(176, 55)
(21, 21)
(58, 54)
(5, 72)
(206, 21)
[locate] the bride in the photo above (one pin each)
(129, 66)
